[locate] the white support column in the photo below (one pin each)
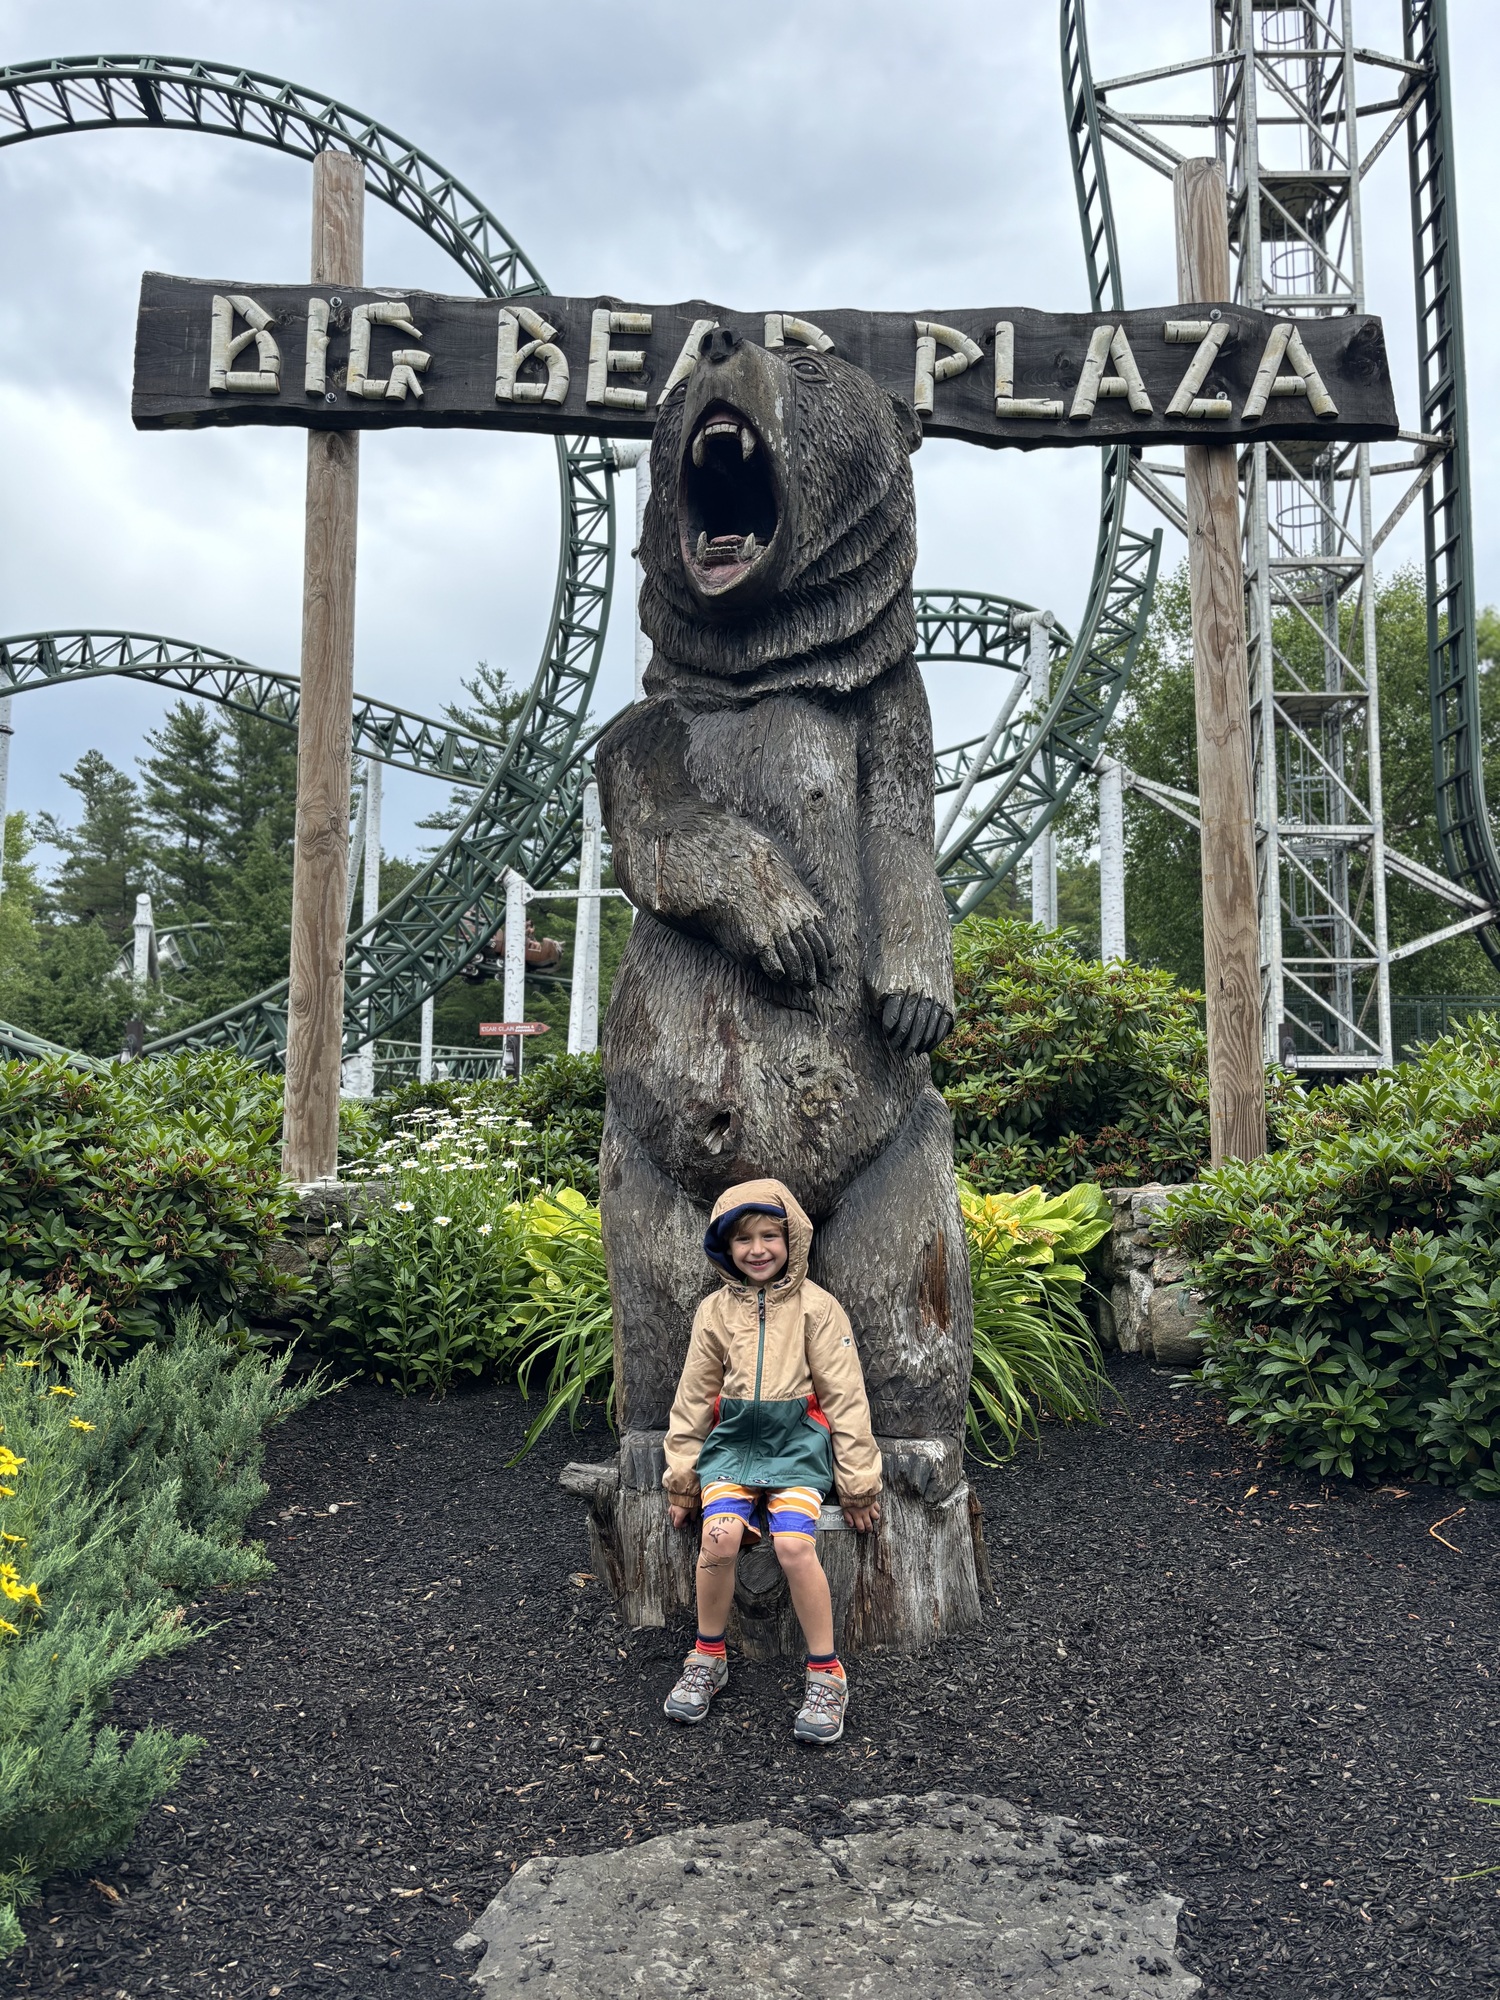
(424, 1055)
(517, 894)
(638, 456)
(6, 733)
(143, 959)
(359, 1069)
(583, 1008)
(1111, 860)
(1044, 847)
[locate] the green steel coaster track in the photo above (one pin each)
(526, 810)
(418, 939)
(1422, 103)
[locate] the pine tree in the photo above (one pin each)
(496, 704)
(187, 797)
(105, 860)
(260, 786)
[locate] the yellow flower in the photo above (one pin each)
(18, 1540)
(10, 1465)
(7, 1492)
(28, 1364)
(59, 1390)
(14, 1630)
(77, 1424)
(18, 1592)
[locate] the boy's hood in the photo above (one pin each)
(759, 1197)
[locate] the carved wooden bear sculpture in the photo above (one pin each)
(770, 807)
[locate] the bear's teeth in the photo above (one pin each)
(747, 442)
(747, 547)
(701, 552)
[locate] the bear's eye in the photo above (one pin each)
(809, 367)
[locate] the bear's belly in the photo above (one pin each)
(722, 1081)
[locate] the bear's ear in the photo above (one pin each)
(907, 423)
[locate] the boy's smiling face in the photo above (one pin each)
(758, 1247)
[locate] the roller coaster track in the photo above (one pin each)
(525, 814)
(1468, 838)
(423, 936)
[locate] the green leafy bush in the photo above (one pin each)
(1034, 1352)
(1063, 1069)
(1353, 1279)
(432, 1273)
(131, 1192)
(123, 1496)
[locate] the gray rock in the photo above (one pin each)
(903, 1899)
(1174, 1315)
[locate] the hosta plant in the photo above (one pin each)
(1034, 1352)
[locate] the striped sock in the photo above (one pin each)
(713, 1649)
(826, 1663)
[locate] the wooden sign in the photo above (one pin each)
(514, 1028)
(346, 358)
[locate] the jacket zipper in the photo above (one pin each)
(753, 1445)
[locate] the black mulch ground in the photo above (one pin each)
(1283, 1694)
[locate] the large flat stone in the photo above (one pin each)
(900, 1899)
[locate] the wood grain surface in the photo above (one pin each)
(320, 866)
(1221, 681)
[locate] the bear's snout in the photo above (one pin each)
(719, 343)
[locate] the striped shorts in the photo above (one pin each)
(790, 1510)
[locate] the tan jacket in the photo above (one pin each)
(809, 1351)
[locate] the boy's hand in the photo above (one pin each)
(863, 1519)
(679, 1516)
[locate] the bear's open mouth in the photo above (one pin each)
(726, 500)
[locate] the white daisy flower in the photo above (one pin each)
(405, 1207)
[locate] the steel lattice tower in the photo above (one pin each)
(1286, 121)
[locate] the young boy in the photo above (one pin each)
(769, 1414)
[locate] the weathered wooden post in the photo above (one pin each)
(1221, 681)
(320, 866)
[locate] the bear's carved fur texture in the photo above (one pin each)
(770, 809)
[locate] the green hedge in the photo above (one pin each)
(1353, 1278)
(1064, 1069)
(131, 1192)
(123, 1496)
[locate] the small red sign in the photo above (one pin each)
(514, 1027)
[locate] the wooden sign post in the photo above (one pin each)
(320, 863)
(1221, 684)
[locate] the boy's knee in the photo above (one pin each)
(722, 1534)
(796, 1552)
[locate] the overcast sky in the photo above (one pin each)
(785, 155)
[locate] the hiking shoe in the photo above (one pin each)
(702, 1678)
(821, 1716)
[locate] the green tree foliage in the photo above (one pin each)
(491, 709)
(104, 864)
(130, 1192)
(1353, 1278)
(185, 794)
(1062, 1069)
(1156, 736)
(124, 1493)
